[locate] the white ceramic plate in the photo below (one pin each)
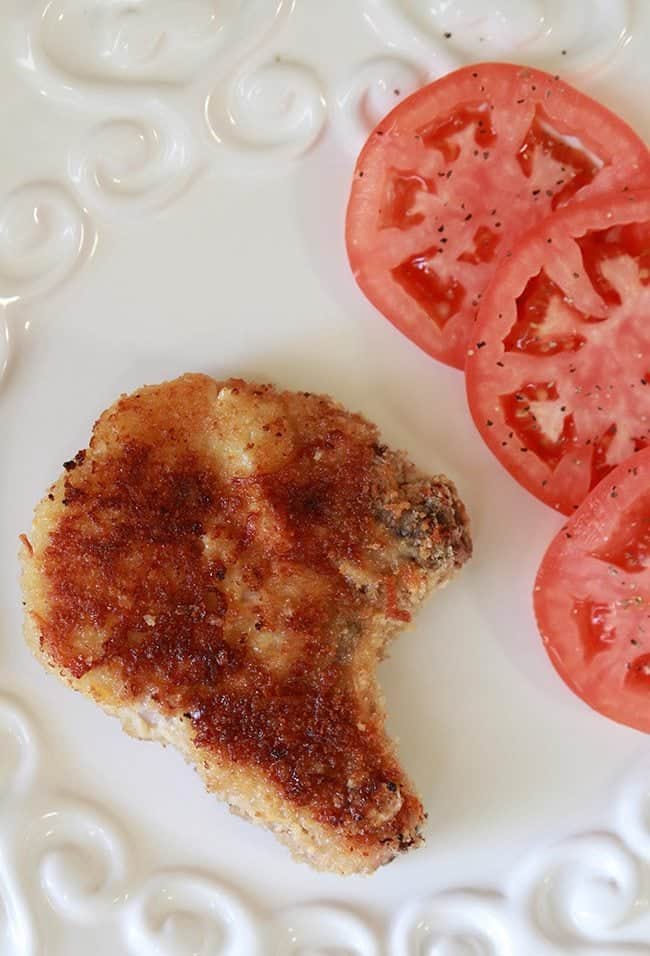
(173, 178)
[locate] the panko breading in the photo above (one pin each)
(222, 569)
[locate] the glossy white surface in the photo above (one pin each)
(173, 181)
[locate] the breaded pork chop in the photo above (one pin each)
(222, 569)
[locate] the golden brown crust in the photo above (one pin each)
(233, 559)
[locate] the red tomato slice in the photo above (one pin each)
(450, 178)
(592, 596)
(558, 376)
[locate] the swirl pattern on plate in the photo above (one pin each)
(124, 57)
(81, 858)
(44, 235)
(65, 863)
(127, 41)
(579, 37)
(19, 762)
(374, 89)
(179, 912)
(274, 110)
(130, 166)
(321, 929)
(167, 83)
(461, 923)
(586, 887)
(5, 346)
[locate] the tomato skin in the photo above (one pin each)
(560, 409)
(592, 596)
(426, 224)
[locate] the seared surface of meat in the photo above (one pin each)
(222, 569)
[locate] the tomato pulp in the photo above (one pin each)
(558, 375)
(592, 596)
(449, 180)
